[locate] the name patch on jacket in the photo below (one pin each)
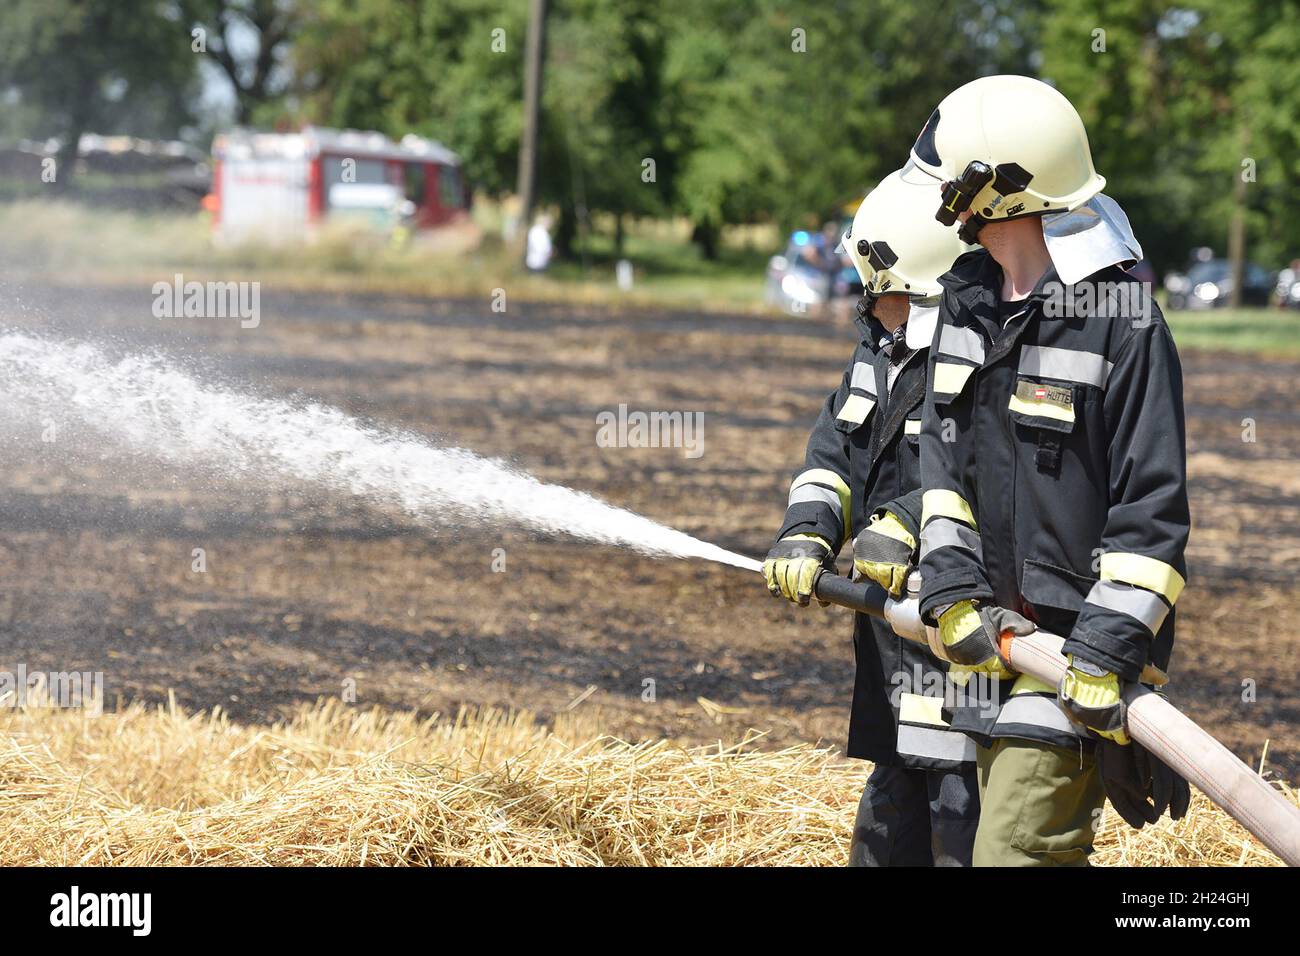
(1037, 403)
(1056, 395)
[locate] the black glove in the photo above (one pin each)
(1139, 784)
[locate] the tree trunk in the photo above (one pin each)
(705, 235)
(1237, 231)
(66, 158)
(565, 231)
(534, 54)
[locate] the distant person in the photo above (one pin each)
(832, 261)
(1288, 286)
(538, 254)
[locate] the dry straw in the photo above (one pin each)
(340, 786)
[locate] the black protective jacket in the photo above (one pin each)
(1054, 466)
(862, 456)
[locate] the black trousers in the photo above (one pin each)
(916, 818)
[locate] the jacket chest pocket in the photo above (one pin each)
(1047, 414)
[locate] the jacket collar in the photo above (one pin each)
(870, 331)
(918, 332)
(920, 327)
(976, 277)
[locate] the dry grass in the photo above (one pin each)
(341, 786)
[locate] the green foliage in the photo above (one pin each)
(755, 111)
(94, 65)
(429, 68)
(1183, 94)
(780, 111)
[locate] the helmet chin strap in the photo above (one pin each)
(865, 303)
(970, 229)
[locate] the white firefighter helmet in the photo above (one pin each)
(1005, 147)
(895, 242)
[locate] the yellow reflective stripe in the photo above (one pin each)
(1144, 572)
(856, 409)
(937, 503)
(1029, 684)
(1041, 409)
(912, 426)
(889, 526)
(810, 537)
(950, 378)
(918, 709)
(823, 476)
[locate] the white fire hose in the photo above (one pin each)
(1151, 720)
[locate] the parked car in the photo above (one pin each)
(1208, 285)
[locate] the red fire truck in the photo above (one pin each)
(282, 184)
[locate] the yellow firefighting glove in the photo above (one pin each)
(792, 564)
(883, 552)
(970, 636)
(1090, 695)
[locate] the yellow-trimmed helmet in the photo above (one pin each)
(895, 243)
(1004, 147)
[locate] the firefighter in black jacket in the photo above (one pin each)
(1053, 462)
(862, 475)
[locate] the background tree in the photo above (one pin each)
(248, 40)
(1180, 96)
(77, 66)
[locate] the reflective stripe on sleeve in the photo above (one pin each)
(1143, 606)
(863, 377)
(820, 484)
(1067, 365)
(1149, 573)
(939, 503)
(856, 409)
(805, 493)
(947, 533)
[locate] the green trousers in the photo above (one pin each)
(1039, 805)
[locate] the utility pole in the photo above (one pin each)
(1237, 231)
(533, 55)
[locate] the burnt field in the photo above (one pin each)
(306, 595)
